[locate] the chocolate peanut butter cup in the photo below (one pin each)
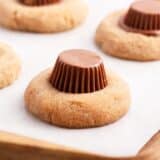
(38, 2)
(143, 17)
(78, 71)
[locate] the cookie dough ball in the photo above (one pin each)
(52, 17)
(133, 35)
(10, 66)
(78, 92)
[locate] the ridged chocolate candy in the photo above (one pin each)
(38, 2)
(78, 71)
(143, 17)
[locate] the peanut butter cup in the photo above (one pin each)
(143, 17)
(38, 2)
(78, 71)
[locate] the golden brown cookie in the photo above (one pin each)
(137, 39)
(63, 98)
(10, 66)
(52, 17)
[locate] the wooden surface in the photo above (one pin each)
(14, 147)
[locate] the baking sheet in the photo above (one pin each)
(39, 51)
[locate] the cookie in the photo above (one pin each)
(10, 66)
(132, 34)
(78, 92)
(45, 18)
